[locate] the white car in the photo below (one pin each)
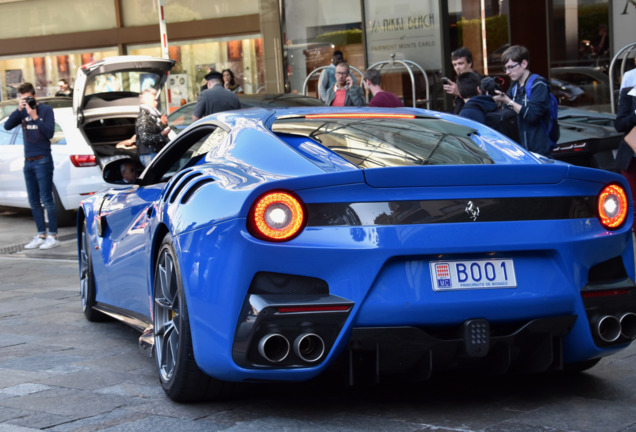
(76, 173)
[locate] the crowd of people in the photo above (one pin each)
(527, 102)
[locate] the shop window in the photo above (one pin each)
(44, 71)
(194, 59)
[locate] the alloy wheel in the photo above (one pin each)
(167, 315)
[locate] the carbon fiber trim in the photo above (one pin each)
(450, 211)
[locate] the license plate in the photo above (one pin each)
(473, 274)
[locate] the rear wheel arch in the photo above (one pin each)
(157, 240)
(88, 286)
(180, 377)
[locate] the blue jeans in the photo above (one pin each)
(38, 176)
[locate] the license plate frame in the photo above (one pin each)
(490, 273)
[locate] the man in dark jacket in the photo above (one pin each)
(216, 98)
(344, 92)
(534, 110)
(38, 126)
(476, 104)
(462, 60)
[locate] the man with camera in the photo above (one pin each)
(476, 103)
(38, 126)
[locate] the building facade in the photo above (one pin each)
(275, 46)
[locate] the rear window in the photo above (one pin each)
(387, 142)
(134, 81)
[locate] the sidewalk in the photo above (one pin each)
(17, 228)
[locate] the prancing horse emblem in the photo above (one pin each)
(472, 210)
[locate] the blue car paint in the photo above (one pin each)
(382, 269)
(356, 256)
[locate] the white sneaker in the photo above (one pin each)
(34, 243)
(50, 242)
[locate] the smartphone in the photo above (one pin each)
(445, 81)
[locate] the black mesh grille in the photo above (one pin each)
(608, 270)
(286, 284)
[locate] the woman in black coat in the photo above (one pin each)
(151, 128)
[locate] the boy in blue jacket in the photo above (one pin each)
(476, 104)
(534, 110)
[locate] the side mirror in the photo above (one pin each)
(122, 171)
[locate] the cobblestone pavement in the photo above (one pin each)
(59, 372)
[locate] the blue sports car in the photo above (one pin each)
(273, 244)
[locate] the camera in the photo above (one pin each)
(30, 101)
(445, 81)
(490, 85)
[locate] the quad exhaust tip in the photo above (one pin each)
(309, 347)
(274, 347)
(608, 328)
(628, 325)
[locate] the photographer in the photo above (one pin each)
(38, 126)
(476, 103)
(529, 97)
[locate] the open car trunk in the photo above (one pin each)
(106, 99)
(104, 135)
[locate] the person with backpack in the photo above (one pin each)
(480, 105)
(530, 97)
(476, 104)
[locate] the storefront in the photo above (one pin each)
(572, 41)
(274, 45)
(199, 40)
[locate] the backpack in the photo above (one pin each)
(552, 130)
(504, 120)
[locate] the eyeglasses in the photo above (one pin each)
(342, 73)
(511, 67)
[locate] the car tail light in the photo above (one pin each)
(277, 216)
(83, 160)
(612, 206)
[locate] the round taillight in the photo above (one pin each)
(612, 206)
(277, 216)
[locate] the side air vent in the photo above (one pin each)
(182, 184)
(175, 181)
(198, 185)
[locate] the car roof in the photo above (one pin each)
(75, 141)
(54, 101)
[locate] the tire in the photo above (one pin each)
(64, 217)
(180, 377)
(87, 279)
